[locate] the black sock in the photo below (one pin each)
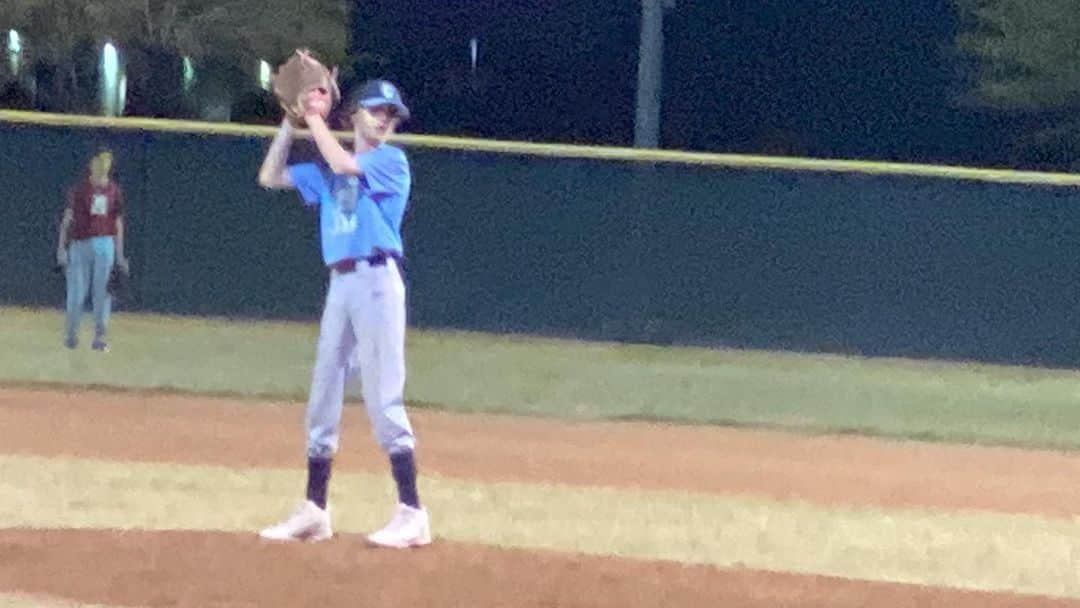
(403, 467)
(318, 478)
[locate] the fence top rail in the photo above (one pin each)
(738, 161)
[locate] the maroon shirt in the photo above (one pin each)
(95, 209)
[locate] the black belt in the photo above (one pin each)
(379, 258)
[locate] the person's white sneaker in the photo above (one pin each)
(408, 527)
(308, 522)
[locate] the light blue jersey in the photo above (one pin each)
(358, 216)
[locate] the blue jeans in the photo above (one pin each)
(89, 263)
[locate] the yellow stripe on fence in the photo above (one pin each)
(738, 161)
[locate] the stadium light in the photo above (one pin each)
(110, 79)
(264, 75)
(188, 77)
(14, 47)
(121, 95)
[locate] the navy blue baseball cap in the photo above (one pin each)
(379, 93)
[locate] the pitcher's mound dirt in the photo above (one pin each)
(201, 570)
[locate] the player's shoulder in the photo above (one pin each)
(391, 152)
(387, 156)
(78, 188)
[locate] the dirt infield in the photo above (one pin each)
(200, 570)
(207, 568)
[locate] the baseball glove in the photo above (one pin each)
(119, 282)
(297, 78)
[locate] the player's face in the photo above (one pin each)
(377, 122)
(101, 164)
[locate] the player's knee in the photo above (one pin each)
(400, 447)
(397, 443)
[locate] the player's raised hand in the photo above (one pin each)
(316, 101)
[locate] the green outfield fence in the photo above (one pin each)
(589, 242)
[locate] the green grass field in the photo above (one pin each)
(468, 372)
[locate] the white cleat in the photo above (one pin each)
(307, 523)
(408, 527)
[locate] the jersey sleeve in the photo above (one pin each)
(309, 181)
(386, 170)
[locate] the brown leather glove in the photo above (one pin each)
(295, 79)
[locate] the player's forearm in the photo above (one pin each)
(120, 238)
(62, 237)
(336, 156)
(273, 166)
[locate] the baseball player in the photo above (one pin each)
(91, 240)
(361, 197)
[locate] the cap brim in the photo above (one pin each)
(402, 111)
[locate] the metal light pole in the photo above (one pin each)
(650, 69)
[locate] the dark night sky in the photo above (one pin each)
(825, 78)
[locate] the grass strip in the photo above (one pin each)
(474, 372)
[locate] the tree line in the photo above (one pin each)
(1018, 58)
